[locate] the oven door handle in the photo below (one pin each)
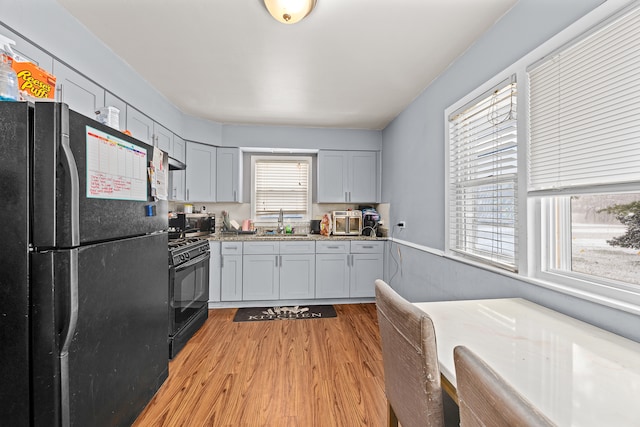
(194, 261)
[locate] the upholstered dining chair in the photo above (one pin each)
(486, 399)
(411, 373)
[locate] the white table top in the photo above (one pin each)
(577, 374)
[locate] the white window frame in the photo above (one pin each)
(262, 220)
(532, 217)
(472, 175)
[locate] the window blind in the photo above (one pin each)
(483, 186)
(281, 184)
(584, 106)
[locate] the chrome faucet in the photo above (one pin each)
(280, 222)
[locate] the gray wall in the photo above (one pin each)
(414, 180)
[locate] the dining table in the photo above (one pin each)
(577, 374)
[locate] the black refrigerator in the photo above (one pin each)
(83, 271)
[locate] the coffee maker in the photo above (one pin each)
(370, 220)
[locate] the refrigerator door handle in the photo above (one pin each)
(67, 336)
(69, 163)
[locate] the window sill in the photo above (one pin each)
(619, 299)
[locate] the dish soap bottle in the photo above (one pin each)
(8, 78)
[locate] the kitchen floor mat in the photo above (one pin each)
(258, 314)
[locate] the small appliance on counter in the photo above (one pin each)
(347, 223)
(370, 220)
(314, 226)
(191, 224)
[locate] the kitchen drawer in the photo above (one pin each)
(335, 247)
(265, 248)
(297, 247)
(366, 247)
(231, 248)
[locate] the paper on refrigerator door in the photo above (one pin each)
(158, 175)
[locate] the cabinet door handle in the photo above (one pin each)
(221, 261)
(235, 195)
(367, 246)
(187, 194)
(277, 261)
(333, 247)
(346, 198)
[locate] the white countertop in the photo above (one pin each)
(577, 374)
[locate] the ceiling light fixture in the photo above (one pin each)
(289, 11)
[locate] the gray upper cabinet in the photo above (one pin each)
(146, 130)
(162, 138)
(179, 148)
(201, 172)
(229, 173)
(177, 185)
(80, 93)
(140, 125)
(348, 177)
(178, 152)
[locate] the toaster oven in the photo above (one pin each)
(347, 223)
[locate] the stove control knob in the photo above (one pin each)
(181, 257)
(186, 255)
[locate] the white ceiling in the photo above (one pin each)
(349, 64)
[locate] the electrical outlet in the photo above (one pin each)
(402, 224)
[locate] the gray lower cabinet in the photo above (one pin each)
(231, 271)
(214, 271)
(332, 269)
(297, 270)
(348, 269)
(278, 270)
(367, 265)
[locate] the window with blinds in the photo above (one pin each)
(584, 126)
(483, 185)
(584, 156)
(281, 183)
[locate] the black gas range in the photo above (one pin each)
(183, 250)
(188, 289)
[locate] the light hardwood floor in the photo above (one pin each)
(288, 373)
